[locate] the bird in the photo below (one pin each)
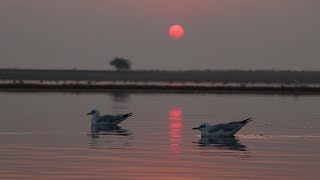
(221, 130)
(107, 120)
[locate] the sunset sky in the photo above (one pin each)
(219, 34)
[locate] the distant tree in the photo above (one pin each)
(120, 63)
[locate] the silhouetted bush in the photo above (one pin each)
(121, 63)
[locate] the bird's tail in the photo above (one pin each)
(246, 121)
(127, 115)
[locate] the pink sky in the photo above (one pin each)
(220, 34)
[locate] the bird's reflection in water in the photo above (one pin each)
(230, 143)
(121, 97)
(97, 132)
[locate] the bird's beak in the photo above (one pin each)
(89, 113)
(195, 128)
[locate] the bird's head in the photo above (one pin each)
(94, 112)
(202, 127)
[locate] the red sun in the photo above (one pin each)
(176, 32)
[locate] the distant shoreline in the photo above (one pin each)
(197, 76)
(160, 89)
(218, 81)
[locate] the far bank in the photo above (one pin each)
(212, 76)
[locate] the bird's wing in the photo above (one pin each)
(106, 118)
(236, 125)
(245, 121)
(112, 118)
(224, 127)
(232, 126)
(216, 128)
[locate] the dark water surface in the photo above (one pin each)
(48, 136)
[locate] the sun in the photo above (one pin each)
(176, 32)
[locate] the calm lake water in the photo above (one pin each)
(48, 136)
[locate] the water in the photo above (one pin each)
(48, 136)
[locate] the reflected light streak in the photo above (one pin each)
(175, 129)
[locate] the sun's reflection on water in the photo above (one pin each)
(175, 129)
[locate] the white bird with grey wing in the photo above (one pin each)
(222, 130)
(107, 120)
